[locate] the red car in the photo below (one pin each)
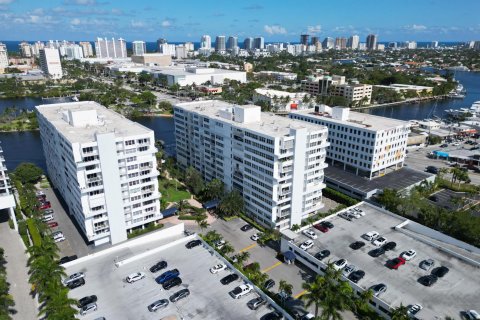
(321, 227)
(395, 263)
(52, 224)
(44, 205)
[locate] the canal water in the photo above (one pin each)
(26, 146)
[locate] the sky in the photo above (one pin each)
(275, 20)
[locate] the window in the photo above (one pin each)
(129, 142)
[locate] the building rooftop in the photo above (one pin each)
(186, 71)
(355, 119)
(269, 124)
(280, 94)
(80, 121)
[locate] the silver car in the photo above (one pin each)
(88, 309)
(159, 304)
(427, 264)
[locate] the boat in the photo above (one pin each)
(75, 99)
(456, 95)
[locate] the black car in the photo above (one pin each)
(428, 280)
(443, 145)
(432, 169)
(275, 315)
(440, 271)
(169, 284)
(246, 227)
(327, 224)
(193, 243)
(322, 254)
(229, 279)
(86, 300)
(158, 266)
(179, 295)
(269, 284)
(256, 303)
(67, 259)
(357, 245)
(389, 246)
(377, 252)
(76, 283)
(356, 276)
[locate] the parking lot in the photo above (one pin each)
(455, 292)
(117, 299)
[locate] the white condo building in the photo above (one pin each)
(7, 198)
(276, 163)
(50, 63)
(139, 48)
(3, 56)
(105, 48)
(104, 167)
(206, 42)
(361, 143)
(87, 49)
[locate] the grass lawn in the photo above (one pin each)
(172, 194)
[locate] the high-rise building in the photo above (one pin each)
(139, 48)
(434, 44)
(259, 43)
(315, 40)
(72, 51)
(87, 49)
(104, 167)
(7, 198)
(160, 41)
(206, 42)
(248, 43)
(189, 46)
(50, 63)
(25, 49)
(3, 56)
(353, 42)
(180, 52)
(169, 49)
(392, 45)
(476, 45)
(328, 43)
(220, 44)
(371, 42)
(105, 48)
(232, 43)
(304, 39)
(275, 163)
(36, 48)
(340, 43)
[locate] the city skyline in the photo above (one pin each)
(147, 20)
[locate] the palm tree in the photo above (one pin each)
(43, 271)
(362, 304)
(226, 249)
(400, 313)
(243, 257)
(58, 306)
(202, 223)
(285, 287)
(314, 293)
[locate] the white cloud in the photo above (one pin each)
(6, 1)
(314, 29)
(75, 22)
(81, 2)
(166, 23)
(416, 28)
(274, 29)
(137, 24)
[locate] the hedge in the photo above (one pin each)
(22, 230)
(253, 223)
(339, 197)
(32, 228)
(148, 229)
(190, 217)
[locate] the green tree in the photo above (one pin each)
(202, 223)
(214, 189)
(166, 106)
(58, 306)
(148, 98)
(285, 287)
(226, 249)
(231, 204)
(390, 199)
(314, 294)
(243, 257)
(27, 173)
(400, 313)
(193, 180)
(212, 236)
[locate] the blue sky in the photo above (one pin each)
(276, 20)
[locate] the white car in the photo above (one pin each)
(353, 214)
(348, 269)
(73, 277)
(306, 245)
(370, 236)
(47, 217)
(309, 233)
(340, 264)
(409, 255)
(131, 278)
(359, 211)
(255, 237)
(472, 315)
(58, 236)
(217, 268)
(414, 309)
(219, 244)
(379, 241)
(241, 290)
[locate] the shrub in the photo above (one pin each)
(32, 228)
(339, 197)
(22, 230)
(252, 222)
(149, 228)
(10, 224)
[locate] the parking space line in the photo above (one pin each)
(298, 295)
(272, 267)
(249, 247)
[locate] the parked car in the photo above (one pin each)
(134, 277)
(255, 237)
(370, 236)
(73, 277)
(340, 264)
(47, 218)
(179, 295)
(377, 252)
(256, 303)
(389, 246)
(440, 271)
(395, 263)
(443, 145)
(345, 216)
(241, 291)
(76, 283)
(322, 254)
(379, 289)
(327, 224)
(306, 245)
(359, 211)
(167, 275)
(428, 280)
(357, 245)
(158, 266)
(409, 255)
(269, 284)
(380, 241)
(356, 276)
(47, 211)
(58, 237)
(217, 268)
(193, 243)
(52, 224)
(414, 309)
(472, 315)
(432, 169)
(229, 279)
(219, 244)
(159, 304)
(354, 214)
(169, 284)
(67, 259)
(89, 308)
(309, 233)
(348, 270)
(246, 227)
(86, 300)
(44, 205)
(321, 227)
(275, 315)
(427, 264)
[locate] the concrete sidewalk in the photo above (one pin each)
(17, 273)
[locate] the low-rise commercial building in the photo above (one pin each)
(398, 87)
(104, 167)
(153, 59)
(196, 75)
(359, 94)
(281, 100)
(275, 163)
(279, 75)
(321, 85)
